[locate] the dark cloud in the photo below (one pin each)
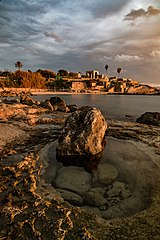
(103, 8)
(91, 34)
(133, 14)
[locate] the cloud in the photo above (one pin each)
(155, 53)
(80, 35)
(56, 37)
(134, 14)
(101, 8)
(127, 58)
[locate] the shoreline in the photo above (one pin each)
(49, 92)
(25, 193)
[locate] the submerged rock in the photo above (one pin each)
(106, 174)
(151, 118)
(71, 197)
(74, 179)
(95, 197)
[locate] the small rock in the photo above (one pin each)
(72, 108)
(125, 194)
(95, 198)
(47, 104)
(58, 104)
(26, 100)
(74, 179)
(106, 174)
(71, 197)
(117, 188)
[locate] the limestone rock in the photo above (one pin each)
(74, 179)
(72, 108)
(106, 174)
(47, 104)
(71, 197)
(58, 104)
(117, 189)
(26, 100)
(95, 198)
(83, 133)
(151, 118)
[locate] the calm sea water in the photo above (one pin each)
(121, 107)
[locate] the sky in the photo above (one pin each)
(81, 35)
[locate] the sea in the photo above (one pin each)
(119, 107)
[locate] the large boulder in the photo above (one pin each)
(151, 118)
(58, 104)
(83, 133)
(82, 138)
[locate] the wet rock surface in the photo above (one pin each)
(30, 208)
(151, 118)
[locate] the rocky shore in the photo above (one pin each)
(42, 199)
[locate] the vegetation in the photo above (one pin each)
(41, 78)
(22, 79)
(19, 65)
(106, 67)
(63, 73)
(119, 70)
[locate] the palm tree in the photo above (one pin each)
(19, 65)
(119, 70)
(106, 67)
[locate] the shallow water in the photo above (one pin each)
(113, 106)
(135, 168)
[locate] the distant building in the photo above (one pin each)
(92, 74)
(75, 75)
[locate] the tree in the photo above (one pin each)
(19, 65)
(46, 73)
(106, 67)
(119, 70)
(63, 73)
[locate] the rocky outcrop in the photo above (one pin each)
(47, 104)
(142, 89)
(58, 104)
(151, 118)
(72, 108)
(26, 100)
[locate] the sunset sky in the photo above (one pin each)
(80, 35)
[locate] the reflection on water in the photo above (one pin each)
(89, 163)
